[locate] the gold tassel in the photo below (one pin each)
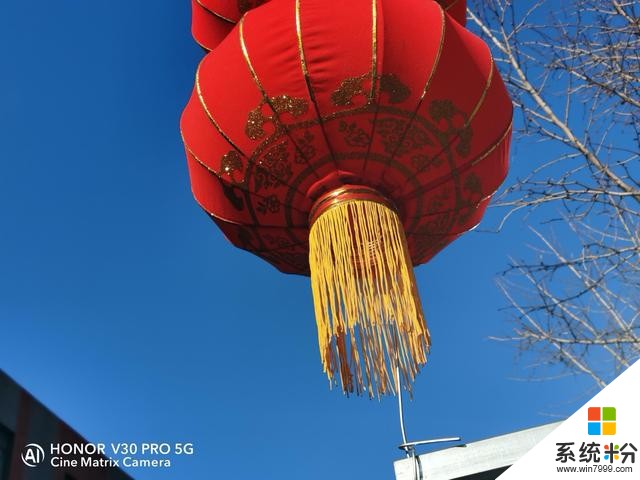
(366, 302)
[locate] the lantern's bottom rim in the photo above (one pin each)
(347, 193)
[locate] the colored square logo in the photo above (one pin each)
(601, 420)
(594, 428)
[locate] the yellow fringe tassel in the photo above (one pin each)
(366, 302)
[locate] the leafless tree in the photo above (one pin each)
(573, 71)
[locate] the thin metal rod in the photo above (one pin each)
(400, 408)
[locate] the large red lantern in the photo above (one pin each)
(348, 141)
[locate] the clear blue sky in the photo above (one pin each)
(125, 311)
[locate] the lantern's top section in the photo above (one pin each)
(303, 97)
(212, 20)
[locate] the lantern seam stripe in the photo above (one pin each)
(494, 146)
(436, 63)
(307, 79)
(474, 112)
(425, 89)
(374, 49)
(374, 78)
(240, 186)
(213, 121)
(265, 96)
(215, 14)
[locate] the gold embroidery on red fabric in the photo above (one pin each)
(280, 104)
(349, 88)
(231, 162)
(391, 85)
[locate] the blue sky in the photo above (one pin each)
(125, 311)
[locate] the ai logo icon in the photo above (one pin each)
(32, 455)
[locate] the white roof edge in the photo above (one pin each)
(475, 457)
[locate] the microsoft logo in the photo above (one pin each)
(602, 420)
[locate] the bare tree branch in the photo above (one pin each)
(573, 71)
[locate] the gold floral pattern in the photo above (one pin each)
(287, 104)
(391, 85)
(280, 104)
(231, 162)
(349, 88)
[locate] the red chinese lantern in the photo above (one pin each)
(348, 141)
